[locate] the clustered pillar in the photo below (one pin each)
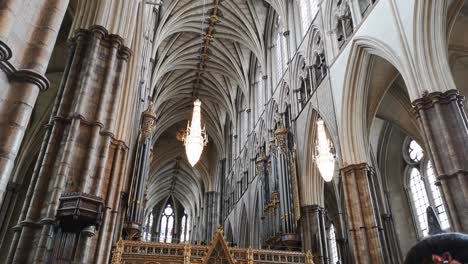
(314, 237)
(81, 163)
(210, 210)
(27, 37)
(444, 125)
(363, 227)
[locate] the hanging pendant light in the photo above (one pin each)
(196, 137)
(324, 157)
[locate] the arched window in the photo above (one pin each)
(280, 50)
(308, 9)
(259, 92)
(185, 228)
(167, 224)
(148, 227)
(334, 257)
(319, 64)
(421, 187)
(344, 25)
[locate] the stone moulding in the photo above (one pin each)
(21, 75)
(429, 100)
(102, 34)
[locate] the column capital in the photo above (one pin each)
(354, 167)
(101, 33)
(430, 99)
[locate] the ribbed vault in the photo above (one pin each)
(203, 48)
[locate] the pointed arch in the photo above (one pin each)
(353, 120)
(431, 46)
(244, 228)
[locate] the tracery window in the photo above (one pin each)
(259, 92)
(333, 247)
(344, 25)
(167, 224)
(185, 228)
(421, 187)
(319, 66)
(308, 9)
(280, 50)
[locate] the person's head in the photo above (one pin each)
(441, 246)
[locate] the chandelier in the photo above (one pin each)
(324, 157)
(196, 137)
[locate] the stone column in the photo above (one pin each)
(154, 226)
(211, 214)
(444, 125)
(314, 237)
(363, 229)
(75, 191)
(135, 211)
(28, 31)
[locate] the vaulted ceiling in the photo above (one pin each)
(204, 49)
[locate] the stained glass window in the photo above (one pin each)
(167, 225)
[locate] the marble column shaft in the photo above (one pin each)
(28, 31)
(80, 155)
(314, 236)
(363, 228)
(444, 125)
(211, 214)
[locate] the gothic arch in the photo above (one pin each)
(431, 47)
(229, 234)
(457, 44)
(354, 121)
(256, 217)
(311, 183)
(244, 228)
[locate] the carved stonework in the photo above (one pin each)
(82, 160)
(148, 122)
(282, 138)
(344, 22)
(444, 125)
(362, 221)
